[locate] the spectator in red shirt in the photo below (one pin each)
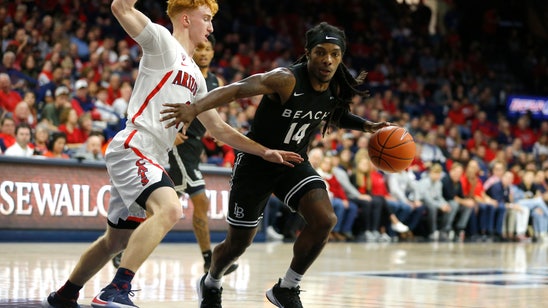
(9, 98)
(523, 131)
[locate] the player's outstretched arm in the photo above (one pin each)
(354, 122)
(275, 81)
(224, 132)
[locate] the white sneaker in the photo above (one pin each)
(434, 236)
(271, 234)
(385, 238)
(399, 227)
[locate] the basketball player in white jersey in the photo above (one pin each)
(136, 156)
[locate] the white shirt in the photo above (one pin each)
(17, 150)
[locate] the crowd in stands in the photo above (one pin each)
(68, 68)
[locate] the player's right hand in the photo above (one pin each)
(178, 113)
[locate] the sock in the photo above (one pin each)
(212, 282)
(123, 278)
(207, 256)
(69, 290)
(291, 279)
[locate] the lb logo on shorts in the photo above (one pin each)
(238, 211)
(142, 171)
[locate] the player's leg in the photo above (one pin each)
(94, 258)
(320, 219)
(224, 255)
(163, 210)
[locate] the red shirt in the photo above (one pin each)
(378, 185)
(335, 187)
(9, 100)
(469, 190)
(76, 136)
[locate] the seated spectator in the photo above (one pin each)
(370, 208)
(120, 104)
(430, 190)
(81, 101)
(69, 126)
(482, 221)
(368, 180)
(452, 192)
(345, 210)
(531, 197)
(91, 149)
(403, 190)
(9, 98)
(52, 111)
(56, 146)
(22, 147)
(41, 137)
(7, 132)
(515, 222)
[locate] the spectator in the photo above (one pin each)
(22, 147)
(531, 197)
(52, 111)
(452, 192)
(120, 104)
(515, 217)
(91, 149)
(482, 220)
(69, 125)
(403, 190)
(9, 98)
(81, 101)
(430, 190)
(41, 137)
(56, 146)
(345, 210)
(7, 132)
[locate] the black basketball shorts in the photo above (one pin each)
(254, 180)
(184, 161)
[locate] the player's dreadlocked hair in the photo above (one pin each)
(343, 84)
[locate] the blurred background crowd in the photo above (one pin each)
(443, 69)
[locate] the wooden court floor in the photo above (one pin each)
(345, 275)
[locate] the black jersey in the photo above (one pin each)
(290, 126)
(196, 129)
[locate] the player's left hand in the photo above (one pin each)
(371, 127)
(283, 157)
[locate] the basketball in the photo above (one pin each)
(391, 149)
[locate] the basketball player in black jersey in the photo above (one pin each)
(318, 88)
(184, 162)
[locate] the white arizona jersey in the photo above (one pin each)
(167, 74)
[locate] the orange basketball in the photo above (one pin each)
(391, 149)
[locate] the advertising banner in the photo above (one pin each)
(45, 194)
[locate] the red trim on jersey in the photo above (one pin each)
(126, 143)
(151, 95)
(136, 219)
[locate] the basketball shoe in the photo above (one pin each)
(209, 297)
(56, 301)
(114, 297)
(284, 297)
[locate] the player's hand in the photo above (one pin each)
(178, 113)
(371, 127)
(180, 139)
(283, 157)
